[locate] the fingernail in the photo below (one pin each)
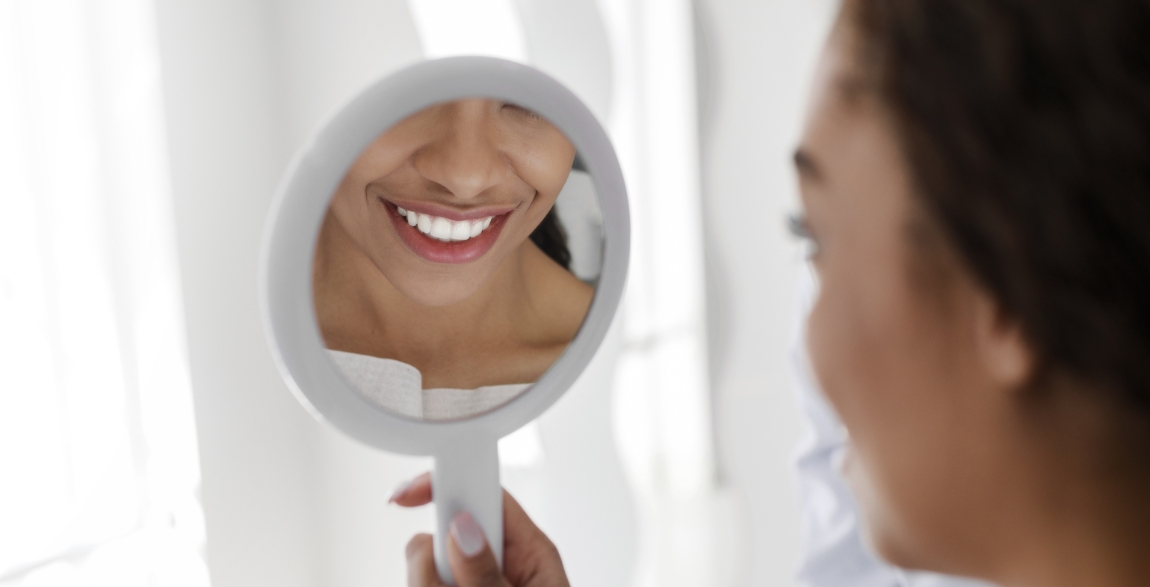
(399, 491)
(467, 534)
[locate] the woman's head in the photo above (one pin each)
(976, 176)
(441, 199)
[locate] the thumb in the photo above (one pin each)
(470, 556)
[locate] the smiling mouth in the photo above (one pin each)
(445, 229)
(445, 240)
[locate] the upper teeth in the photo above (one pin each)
(444, 229)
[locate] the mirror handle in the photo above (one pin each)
(466, 478)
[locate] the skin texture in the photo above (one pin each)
(500, 319)
(955, 464)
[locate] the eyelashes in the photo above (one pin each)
(800, 228)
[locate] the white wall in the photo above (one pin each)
(755, 62)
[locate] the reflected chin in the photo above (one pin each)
(438, 296)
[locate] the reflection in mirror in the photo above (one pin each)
(457, 259)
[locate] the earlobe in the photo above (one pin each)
(1005, 353)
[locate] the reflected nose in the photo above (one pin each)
(463, 159)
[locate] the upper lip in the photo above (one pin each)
(451, 213)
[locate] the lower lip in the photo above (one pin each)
(437, 251)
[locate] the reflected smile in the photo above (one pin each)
(447, 236)
(443, 229)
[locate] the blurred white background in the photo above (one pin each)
(140, 144)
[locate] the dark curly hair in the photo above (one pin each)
(1027, 128)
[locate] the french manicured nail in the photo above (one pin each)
(399, 491)
(467, 534)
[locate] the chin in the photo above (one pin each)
(876, 523)
(887, 547)
(439, 292)
(894, 537)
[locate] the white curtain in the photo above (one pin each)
(98, 460)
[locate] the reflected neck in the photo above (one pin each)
(511, 315)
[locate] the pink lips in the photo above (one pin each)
(436, 251)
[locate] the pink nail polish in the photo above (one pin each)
(467, 534)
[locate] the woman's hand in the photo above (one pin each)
(529, 557)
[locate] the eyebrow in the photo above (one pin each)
(806, 165)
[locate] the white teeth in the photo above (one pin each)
(460, 230)
(444, 229)
(441, 229)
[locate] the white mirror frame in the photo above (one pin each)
(466, 446)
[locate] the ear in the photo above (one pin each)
(1003, 350)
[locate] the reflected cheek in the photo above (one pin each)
(546, 175)
(541, 203)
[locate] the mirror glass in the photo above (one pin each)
(457, 259)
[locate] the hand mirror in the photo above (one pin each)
(441, 262)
